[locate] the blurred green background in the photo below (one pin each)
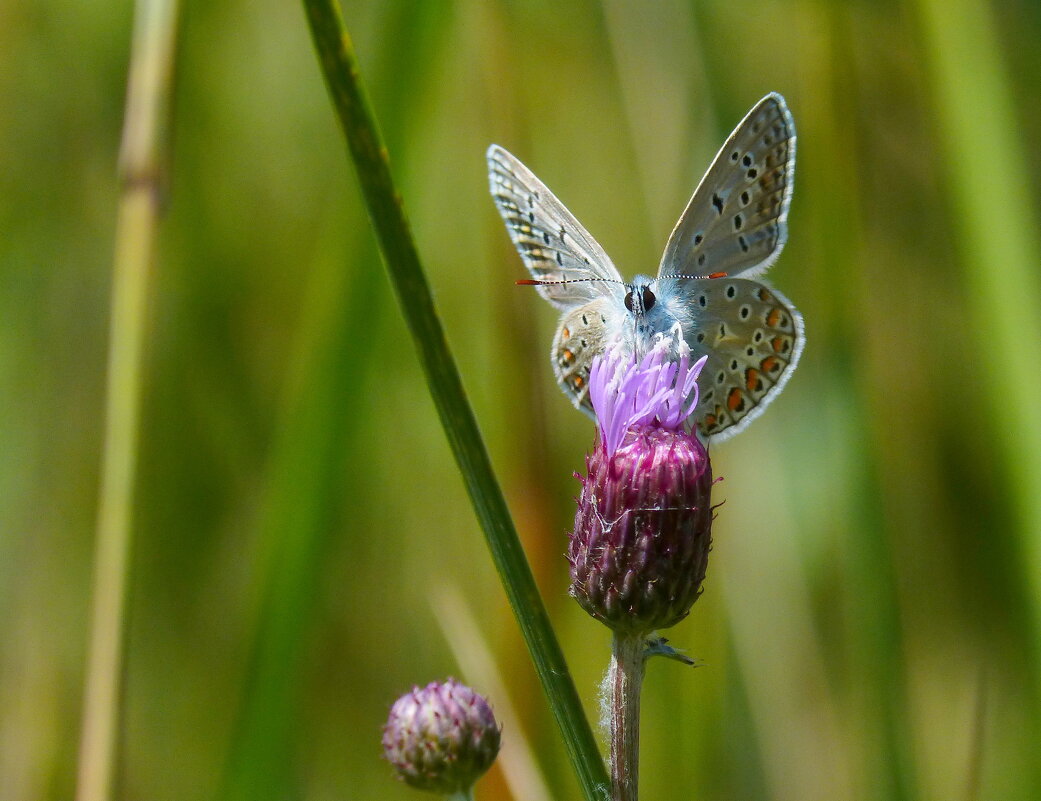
(304, 550)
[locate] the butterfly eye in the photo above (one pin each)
(628, 301)
(648, 299)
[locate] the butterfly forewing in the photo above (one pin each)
(735, 221)
(553, 244)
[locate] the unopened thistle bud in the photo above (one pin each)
(642, 533)
(441, 738)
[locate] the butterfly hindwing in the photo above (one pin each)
(753, 338)
(581, 335)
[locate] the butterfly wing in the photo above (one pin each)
(552, 243)
(584, 333)
(735, 221)
(753, 338)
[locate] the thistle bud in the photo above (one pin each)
(640, 545)
(441, 738)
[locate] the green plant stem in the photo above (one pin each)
(624, 682)
(147, 93)
(339, 64)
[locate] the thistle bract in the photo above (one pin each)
(441, 737)
(640, 545)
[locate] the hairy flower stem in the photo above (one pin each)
(624, 679)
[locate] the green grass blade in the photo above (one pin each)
(298, 527)
(997, 217)
(340, 67)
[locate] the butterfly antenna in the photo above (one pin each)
(536, 282)
(701, 277)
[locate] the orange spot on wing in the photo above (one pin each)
(566, 333)
(752, 379)
(774, 317)
(567, 356)
(578, 382)
(778, 344)
(717, 275)
(770, 364)
(764, 295)
(735, 400)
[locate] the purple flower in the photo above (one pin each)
(650, 391)
(441, 738)
(639, 549)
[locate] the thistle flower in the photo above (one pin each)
(642, 532)
(441, 737)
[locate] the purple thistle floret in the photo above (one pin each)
(442, 737)
(650, 391)
(639, 549)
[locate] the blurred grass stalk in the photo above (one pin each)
(148, 91)
(517, 756)
(339, 65)
(996, 214)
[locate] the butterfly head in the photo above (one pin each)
(639, 297)
(649, 314)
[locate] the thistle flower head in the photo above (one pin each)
(441, 737)
(639, 549)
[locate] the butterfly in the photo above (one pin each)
(732, 230)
